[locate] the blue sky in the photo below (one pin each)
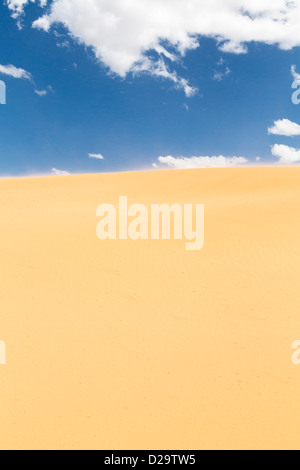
(131, 118)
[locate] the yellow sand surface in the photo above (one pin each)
(141, 344)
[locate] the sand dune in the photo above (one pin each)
(141, 344)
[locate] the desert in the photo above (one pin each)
(141, 344)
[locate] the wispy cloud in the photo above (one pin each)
(285, 127)
(97, 156)
(220, 75)
(19, 73)
(181, 163)
(159, 68)
(56, 172)
(42, 93)
(15, 72)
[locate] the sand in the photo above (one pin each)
(141, 344)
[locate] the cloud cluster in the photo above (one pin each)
(152, 36)
(142, 35)
(183, 163)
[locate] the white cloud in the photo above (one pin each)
(18, 73)
(56, 172)
(286, 155)
(17, 6)
(122, 32)
(232, 47)
(285, 127)
(160, 69)
(43, 93)
(15, 72)
(182, 163)
(97, 156)
(219, 75)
